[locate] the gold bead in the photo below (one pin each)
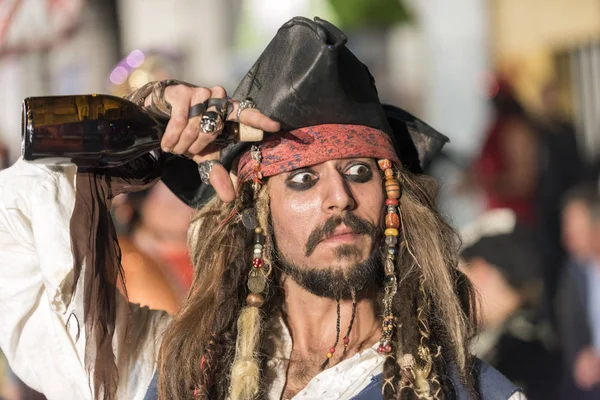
(257, 230)
(255, 300)
(329, 355)
(391, 232)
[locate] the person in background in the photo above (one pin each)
(161, 233)
(507, 166)
(560, 168)
(579, 297)
(152, 227)
(500, 257)
(152, 224)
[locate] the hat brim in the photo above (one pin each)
(416, 144)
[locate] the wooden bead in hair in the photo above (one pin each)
(393, 191)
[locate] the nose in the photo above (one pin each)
(338, 196)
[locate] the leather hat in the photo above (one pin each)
(307, 76)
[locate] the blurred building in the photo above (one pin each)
(535, 42)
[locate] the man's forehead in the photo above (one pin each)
(335, 162)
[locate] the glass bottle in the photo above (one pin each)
(87, 130)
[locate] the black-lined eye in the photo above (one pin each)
(302, 179)
(359, 172)
(358, 169)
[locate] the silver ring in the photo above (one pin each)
(211, 122)
(243, 105)
(204, 169)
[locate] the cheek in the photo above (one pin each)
(293, 218)
(371, 202)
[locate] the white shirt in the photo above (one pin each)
(38, 322)
(340, 382)
(40, 331)
(343, 381)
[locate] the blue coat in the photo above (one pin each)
(492, 385)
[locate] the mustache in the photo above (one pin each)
(357, 224)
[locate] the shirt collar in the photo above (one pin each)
(342, 381)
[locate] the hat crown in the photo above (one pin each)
(307, 76)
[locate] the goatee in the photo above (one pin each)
(336, 284)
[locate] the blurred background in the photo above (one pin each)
(515, 84)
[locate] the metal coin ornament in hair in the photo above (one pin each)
(204, 169)
(257, 281)
(393, 191)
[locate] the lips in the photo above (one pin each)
(340, 232)
(339, 229)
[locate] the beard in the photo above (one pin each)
(335, 283)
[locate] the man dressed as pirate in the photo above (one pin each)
(322, 269)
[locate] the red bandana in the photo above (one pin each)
(314, 145)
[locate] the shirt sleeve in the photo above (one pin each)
(518, 396)
(41, 331)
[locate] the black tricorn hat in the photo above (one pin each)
(307, 76)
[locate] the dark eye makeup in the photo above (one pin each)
(359, 172)
(305, 178)
(301, 179)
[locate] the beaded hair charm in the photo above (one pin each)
(257, 278)
(393, 191)
(245, 369)
(346, 338)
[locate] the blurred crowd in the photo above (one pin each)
(534, 253)
(532, 250)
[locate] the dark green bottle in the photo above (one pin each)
(87, 130)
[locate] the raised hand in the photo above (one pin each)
(184, 135)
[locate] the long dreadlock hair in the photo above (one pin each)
(214, 333)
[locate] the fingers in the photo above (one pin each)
(221, 182)
(179, 99)
(219, 177)
(203, 139)
(181, 132)
(191, 133)
(254, 118)
(218, 92)
(183, 135)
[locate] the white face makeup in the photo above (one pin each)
(303, 200)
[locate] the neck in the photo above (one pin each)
(312, 323)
